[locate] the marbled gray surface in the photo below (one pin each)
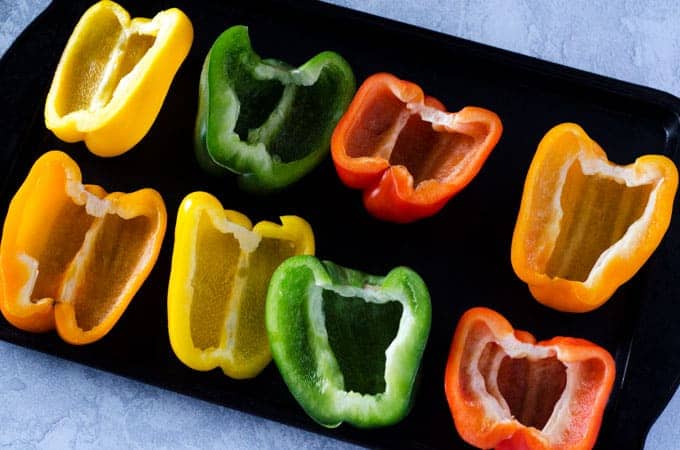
(49, 403)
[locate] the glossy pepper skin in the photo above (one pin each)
(221, 266)
(72, 256)
(406, 152)
(348, 344)
(586, 225)
(508, 392)
(114, 75)
(263, 119)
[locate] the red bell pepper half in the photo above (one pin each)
(405, 151)
(506, 391)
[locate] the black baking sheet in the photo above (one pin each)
(463, 253)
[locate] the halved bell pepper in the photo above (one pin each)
(406, 152)
(72, 257)
(221, 266)
(586, 225)
(113, 76)
(263, 119)
(348, 344)
(508, 392)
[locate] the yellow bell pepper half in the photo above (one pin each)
(113, 76)
(72, 257)
(221, 266)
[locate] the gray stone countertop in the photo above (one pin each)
(46, 402)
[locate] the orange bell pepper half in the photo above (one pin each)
(586, 225)
(508, 392)
(72, 256)
(406, 152)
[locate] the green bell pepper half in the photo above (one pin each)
(263, 119)
(348, 344)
